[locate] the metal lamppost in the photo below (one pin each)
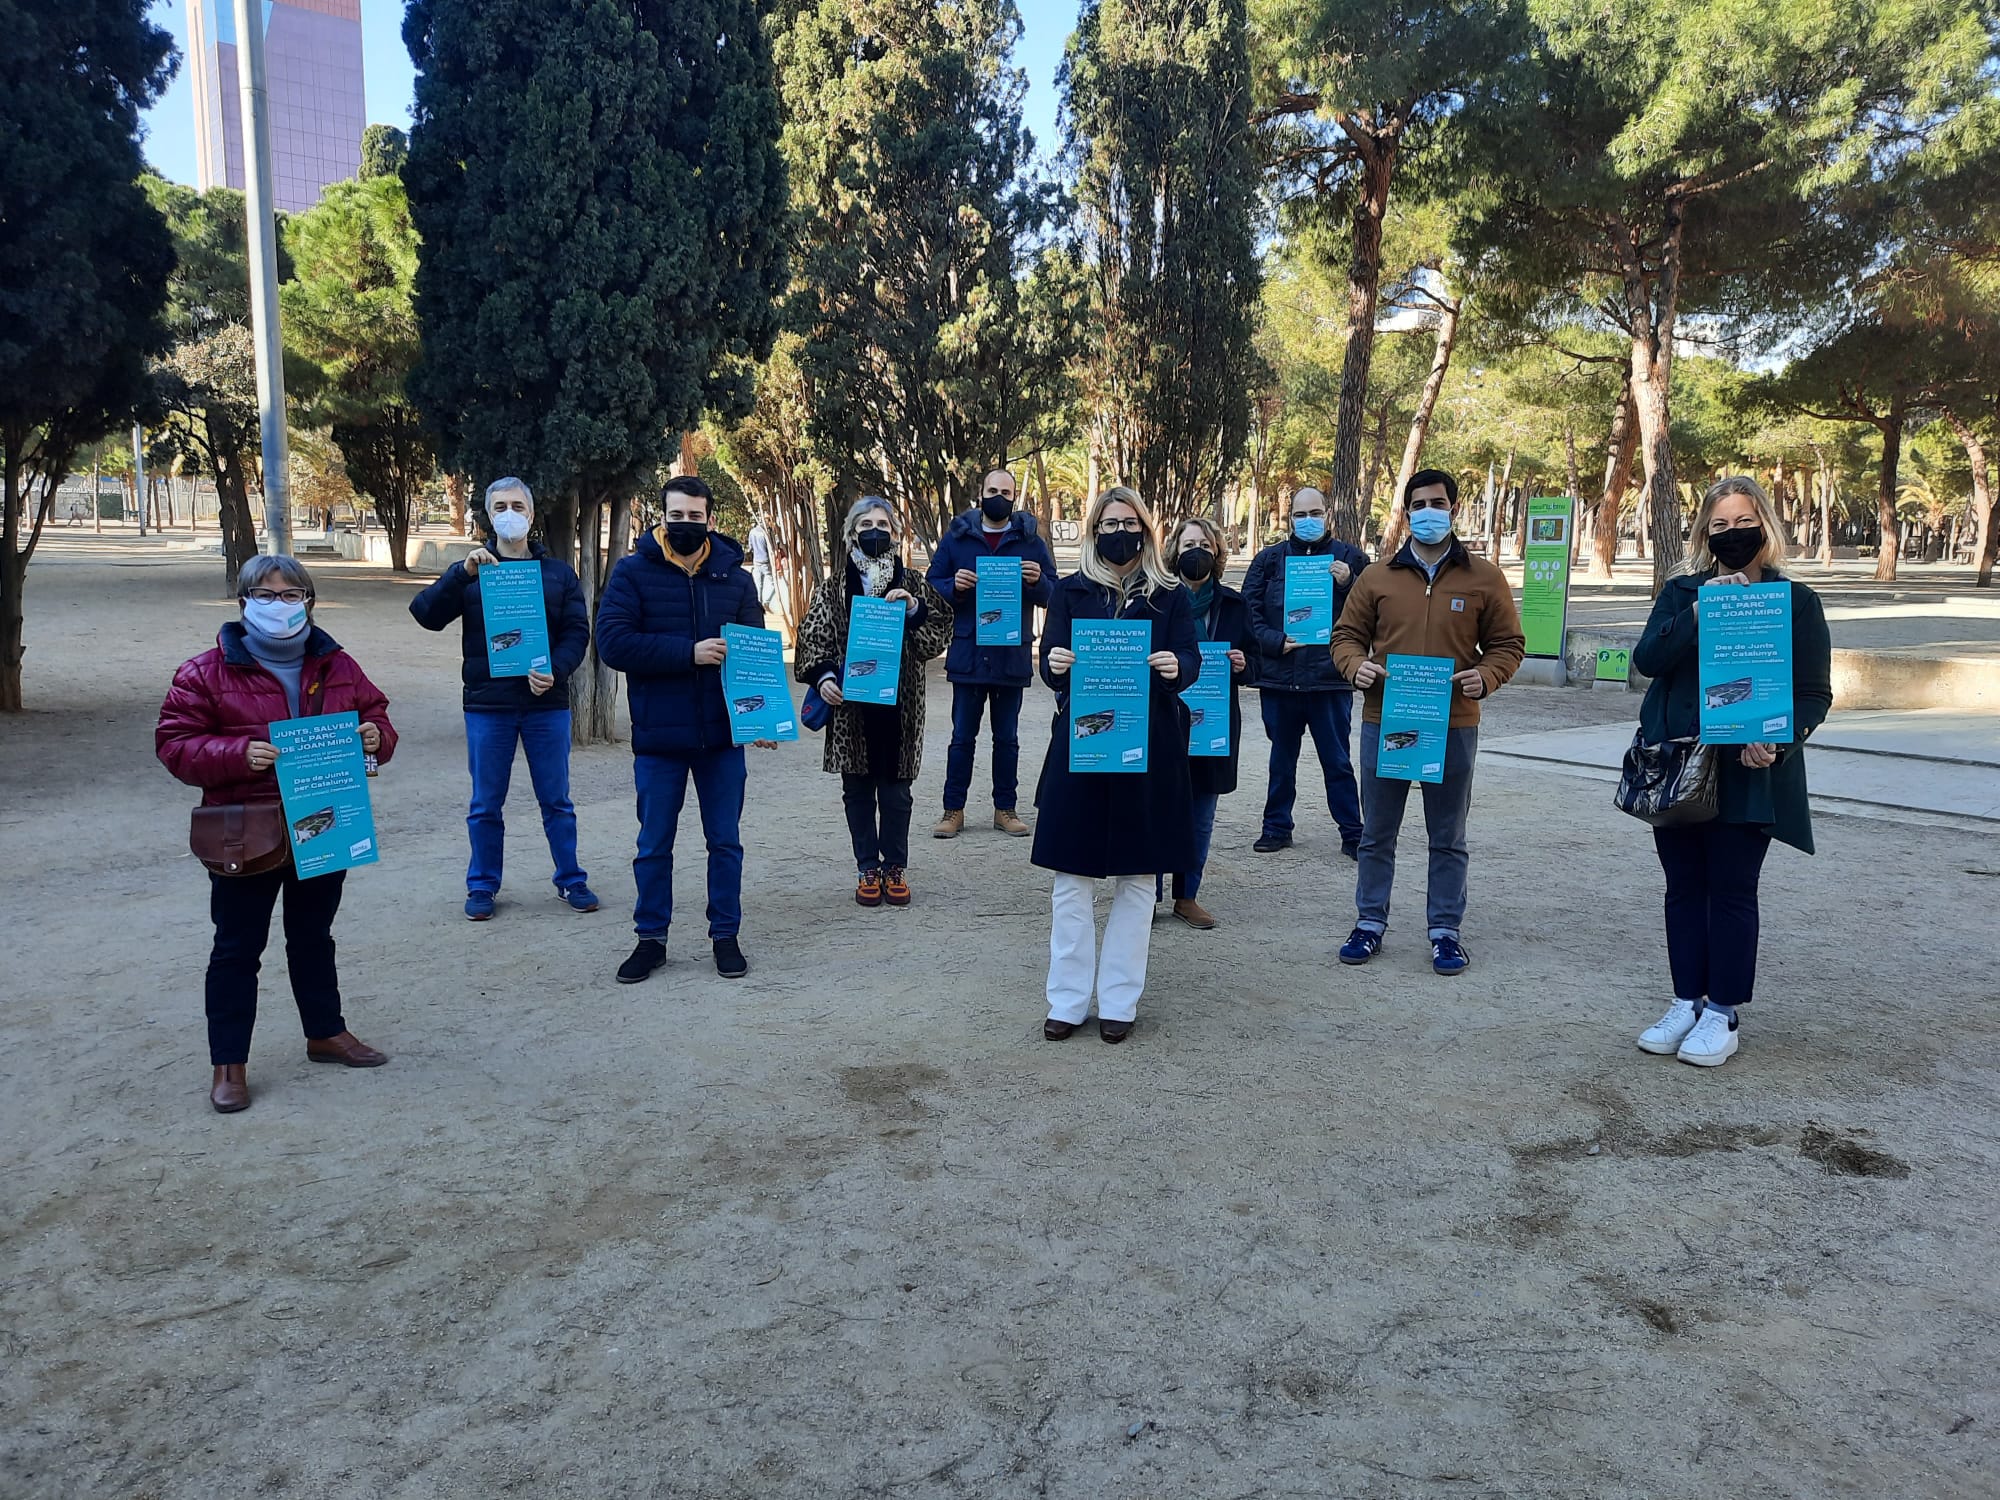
(263, 244)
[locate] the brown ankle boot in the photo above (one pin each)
(1192, 912)
(951, 825)
(229, 1090)
(1005, 820)
(346, 1048)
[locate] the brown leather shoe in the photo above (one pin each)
(951, 825)
(229, 1090)
(1192, 912)
(346, 1048)
(1005, 820)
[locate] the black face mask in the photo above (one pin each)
(997, 507)
(1735, 547)
(1119, 548)
(686, 537)
(874, 543)
(1196, 564)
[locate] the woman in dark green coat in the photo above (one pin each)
(1712, 867)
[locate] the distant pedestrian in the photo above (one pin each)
(1712, 868)
(270, 664)
(875, 749)
(763, 562)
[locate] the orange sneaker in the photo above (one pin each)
(894, 888)
(868, 890)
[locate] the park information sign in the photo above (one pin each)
(753, 680)
(323, 782)
(1545, 576)
(1744, 636)
(517, 621)
(998, 600)
(1208, 702)
(1309, 600)
(874, 665)
(1416, 716)
(1108, 695)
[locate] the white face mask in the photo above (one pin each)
(510, 525)
(274, 618)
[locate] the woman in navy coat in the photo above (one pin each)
(1127, 827)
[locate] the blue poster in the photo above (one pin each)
(874, 663)
(998, 600)
(323, 781)
(1744, 635)
(1208, 702)
(1309, 600)
(753, 682)
(1416, 716)
(1109, 694)
(517, 621)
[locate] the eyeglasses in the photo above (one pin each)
(1432, 503)
(278, 596)
(1112, 528)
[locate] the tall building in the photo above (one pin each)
(312, 65)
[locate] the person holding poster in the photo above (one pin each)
(988, 679)
(1297, 686)
(270, 664)
(506, 713)
(1128, 827)
(875, 749)
(1712, 868)
(660, 623)
(1432, 623)
(1198, 557)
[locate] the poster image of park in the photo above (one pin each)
(1744, 637)
(517, 620)
(874, 666)
(1208, 702)
(753, 683)
(1416, 717)
(323, 782)
(1108, 698)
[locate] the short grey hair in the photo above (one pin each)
(290, 571)
(508, 486)
(851, 527)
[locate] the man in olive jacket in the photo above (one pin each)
(1433, 598)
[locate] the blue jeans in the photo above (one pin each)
(490, 739)
(1446, 804)
(719, 779)
(1330, 716)
(968, 702)
(1188, 884)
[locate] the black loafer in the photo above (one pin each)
(1270, 845)
(1057, 1031)
(648, 956)
(1113, 1031)
(729, 960)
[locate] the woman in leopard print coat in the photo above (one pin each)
(876, 750)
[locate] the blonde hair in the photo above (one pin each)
(1151, 564)
(1776, 544)
(1213, 534)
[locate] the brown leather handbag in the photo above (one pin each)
(243, 838)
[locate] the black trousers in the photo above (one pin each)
(1712, 871)
(878, 820)
(241, 908)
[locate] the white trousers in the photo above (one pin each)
(1074, 963)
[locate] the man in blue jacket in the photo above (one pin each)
(503, 712)
(1298, 685)
(987, 675)
(660, 623)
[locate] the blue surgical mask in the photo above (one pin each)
(274, 618)
(1430, 525)
(1309, 528)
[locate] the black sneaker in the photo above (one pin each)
(729, 960)
(1351, 849)
(1271, 843)
(648, 956)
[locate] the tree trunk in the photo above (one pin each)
(1889, 547)
(1377, 451)
(1364, 281)
(1420, 423)
(1499, 516)
(1982, 500)
(13, 571)
(593, 693)
(454, 491)
(232, 516)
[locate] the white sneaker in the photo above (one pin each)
(1712, 1042)
(1664, 1037)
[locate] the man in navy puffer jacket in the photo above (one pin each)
(660, 623)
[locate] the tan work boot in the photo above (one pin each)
(951, 825)
(1005, 820)
(1193, 913)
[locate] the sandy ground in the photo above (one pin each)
(850, 1227)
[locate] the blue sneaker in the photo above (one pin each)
(1361, 945)
(479, 906)
(1448, 957)
(578, 898)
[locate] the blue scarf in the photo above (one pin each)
(1203, 600)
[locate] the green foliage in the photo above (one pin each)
(384, 149)
(351, 337)
(925, 357)
(1157, 98)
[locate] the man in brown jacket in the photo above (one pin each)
(1433, 598)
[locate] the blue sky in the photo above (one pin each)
(386, 67)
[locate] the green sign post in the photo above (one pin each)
(1545, 575)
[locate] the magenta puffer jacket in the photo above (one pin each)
(221, 700)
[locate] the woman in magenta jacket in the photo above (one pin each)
(271, 664)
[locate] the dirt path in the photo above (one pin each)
(849, 1227)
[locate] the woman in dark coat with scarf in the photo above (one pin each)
(1123, 826)
(1198, 556)
(875, 749)
(1712, 868)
